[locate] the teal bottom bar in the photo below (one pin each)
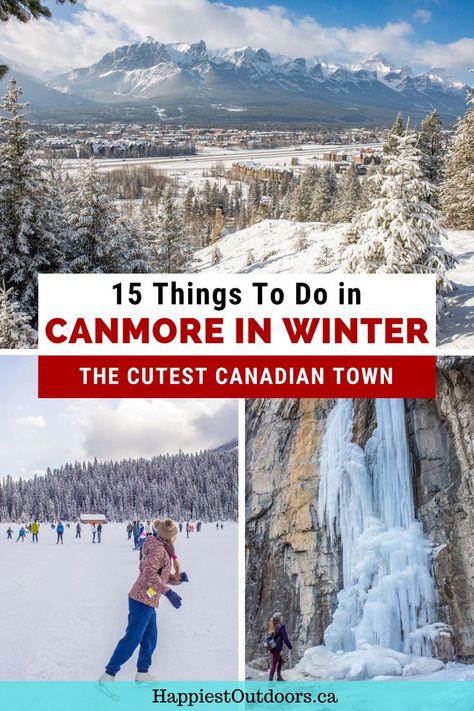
(343, 696)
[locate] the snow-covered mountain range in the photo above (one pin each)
(151, 80)
(254, 82)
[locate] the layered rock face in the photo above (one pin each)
(441, 436)
(290, 566)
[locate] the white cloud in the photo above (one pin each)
(104, 24)
(454, 56)
(144, 428)
(37, 434)
(424, 16)
(36, 421)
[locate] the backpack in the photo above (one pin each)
(269, 643)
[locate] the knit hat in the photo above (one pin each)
(166, 529)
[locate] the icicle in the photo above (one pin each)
(366, 501)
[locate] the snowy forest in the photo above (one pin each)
(137, 220)
(184, 486)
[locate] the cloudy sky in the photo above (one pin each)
(35, 434)
(424, 33)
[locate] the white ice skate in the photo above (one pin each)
(103, 685)
(145, 678)
(106, 678)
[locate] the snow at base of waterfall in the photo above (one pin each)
(376, 663)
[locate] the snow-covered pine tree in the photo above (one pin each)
(152, 235)
(102, 241)
(15, 329)
(25, 10)
(370, 186)
(432, 145)
(174, 246)
(348, 197)
(396, 132)
(400, 232)
(303, 194)
(323, 195)
(457, 191)
(202, 485)
(30, 218)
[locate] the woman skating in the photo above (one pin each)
(158, 569)
(277, 631)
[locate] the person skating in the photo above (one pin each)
(188, 528)
(129, 530)
(60, 532)
(159, 568)
(35, 530)
(277, 631)
(9, 533)
(217, 526)
(78, 530)
(21, 535)
(141, 542)
(99, 533)
(94, 532)
(148, 528)
(180, 527)
(135, 533)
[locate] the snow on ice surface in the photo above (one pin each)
(273, 248)
(64, 607)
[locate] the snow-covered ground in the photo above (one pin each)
(64, 607)
(271, 246)
(276, 246)
(381, 664)
(457, 329)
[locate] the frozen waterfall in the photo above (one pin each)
(366, 503)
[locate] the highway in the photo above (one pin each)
(201, 161)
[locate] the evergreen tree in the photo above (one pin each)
(457, 192)
(30, 220)
(201, 485)
(401, 233)
(15, 329)
(323, 195)
(101, 240)
(25, 10)
(174, 252)
(397, 130)
(303, 195)
(433, 148)
(349, 195)
(370, 186)
(152, 236)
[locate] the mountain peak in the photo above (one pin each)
(175, 73)
(378, 57)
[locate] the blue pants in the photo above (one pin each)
(141, 630)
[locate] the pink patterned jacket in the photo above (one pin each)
(155, 574)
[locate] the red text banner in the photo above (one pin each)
(236, 376)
